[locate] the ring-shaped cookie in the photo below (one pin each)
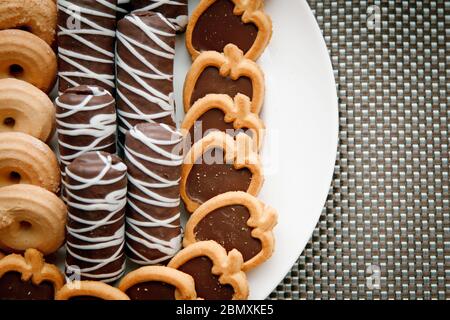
(250, 12)
(239, 153)
(90, 290)
(25, 159)
(236, 113)
(227, 267)
(183, 284)
(229, 64)
(257, 227)
(25, 108)
(35, 16)
(37, 278)
(26, 57)
(31, 217)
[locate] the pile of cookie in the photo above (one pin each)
(31, 212)
(124, 165)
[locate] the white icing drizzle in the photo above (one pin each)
(81, 14)
(180, 21)
(149, 93)
(112, 203)
(152, 192)
(100, 126)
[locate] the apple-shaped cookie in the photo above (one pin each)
(158, 283)
(216, 23)
(90, 290)
(217, 275)
(217, 164)
(28, 277)
(235, 220)
(228, 73)
(220, 112)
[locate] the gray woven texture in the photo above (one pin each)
(384, 232)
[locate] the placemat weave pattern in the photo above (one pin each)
(384, 232)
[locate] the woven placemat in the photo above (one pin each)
(384, 232)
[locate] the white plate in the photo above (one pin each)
(301, 117)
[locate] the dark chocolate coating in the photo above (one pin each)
(173, 173)
(163, 64)
(105, 42)
(228, 227)
(212, 120)
(151, 290)
(218, 26)
(88, 166)
(74, 96)
(210, 81)
(170, 11)
(206, 181)
(125, 6)
(13, 288)
(207, 284)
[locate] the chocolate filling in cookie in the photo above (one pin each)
(213, 119)
(12, 287)
(218, 26)
(208, 180)
(228, 227)
(151, 290)
(207, 284)
(210, 81)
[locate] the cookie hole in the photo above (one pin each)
(9, 122)
(25, 225)
(14, 177)
(15, 70)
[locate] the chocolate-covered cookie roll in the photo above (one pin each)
(176, 11)
(85, 121)
(96, 187)
(86, 38)
(152, 155)
(145, 52)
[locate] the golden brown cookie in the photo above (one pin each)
(220, 112)
(31, 217)
(217, 276)
(28, 277)
(25, 108)
(35, 16)
(235, 220)
(227, 73)
(26, 57)
(25, 159)
(158, 283)
(216, 23)
(217, 164)
(90, 290)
